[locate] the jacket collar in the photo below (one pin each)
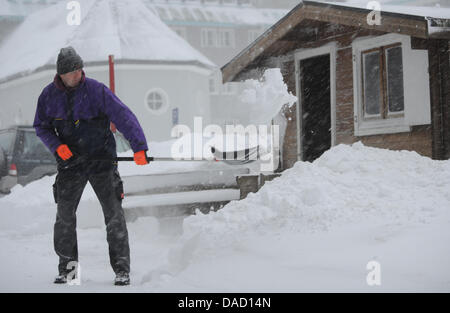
(60, 85)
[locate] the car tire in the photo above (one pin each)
(3, 168)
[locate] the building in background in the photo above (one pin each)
(363, 3)
(219, 29)
(385, 85)
(163, 79)
(443, 3)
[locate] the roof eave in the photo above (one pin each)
(252, 50)
(412, 25)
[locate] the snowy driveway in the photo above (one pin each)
(316, 228)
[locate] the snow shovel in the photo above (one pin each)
(236, 157)
(249, 155)
(76, 160)
(232, 158)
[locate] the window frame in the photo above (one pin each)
(252, 35)
(12, 140)
(221, 35)
(384, 97)
(399, 124)
(388, 113)
(229, 2)
(164, 98)
(204, 38)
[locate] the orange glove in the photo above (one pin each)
(140, 158)
(64, 152)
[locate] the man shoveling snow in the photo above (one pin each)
(73, 120)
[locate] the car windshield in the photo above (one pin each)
(6, 140)
(33, 148)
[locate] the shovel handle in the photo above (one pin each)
(152, 159)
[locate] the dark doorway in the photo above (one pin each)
(316, 111)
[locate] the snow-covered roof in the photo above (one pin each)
(428, 23)
(6, 9)
(198, 13)
(437, 12)
(125, 28)
(23, 7)
(172, 11)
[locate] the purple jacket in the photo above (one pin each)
(92, 102)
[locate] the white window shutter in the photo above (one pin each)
(416, 87)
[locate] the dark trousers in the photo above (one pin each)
(108, 187)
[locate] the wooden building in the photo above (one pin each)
(381, 78)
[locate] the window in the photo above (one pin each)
(382, 77)
(226, 38)
(224, 18)
(187, 14)
(193, 1)
(252, 35)
(391, 85)
(199, 14)
(229, 2)
(209, 37)
(209, 16)
(211, 1)
(394, 69)
(156, 101)
(244, 2)
(176, 15)
(6, 140)
(33, 147)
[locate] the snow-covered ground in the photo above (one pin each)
(314, 229)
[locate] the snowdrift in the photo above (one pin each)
(346, 186)
(313, 229)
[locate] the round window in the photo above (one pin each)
(156, 101)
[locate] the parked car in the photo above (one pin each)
(24, 158)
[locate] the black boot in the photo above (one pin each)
(122, 279)
(61, 279)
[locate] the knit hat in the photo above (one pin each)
(68, 61)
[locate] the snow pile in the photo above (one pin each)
(347, 185)
(313, 229)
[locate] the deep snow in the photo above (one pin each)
(313, 229)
